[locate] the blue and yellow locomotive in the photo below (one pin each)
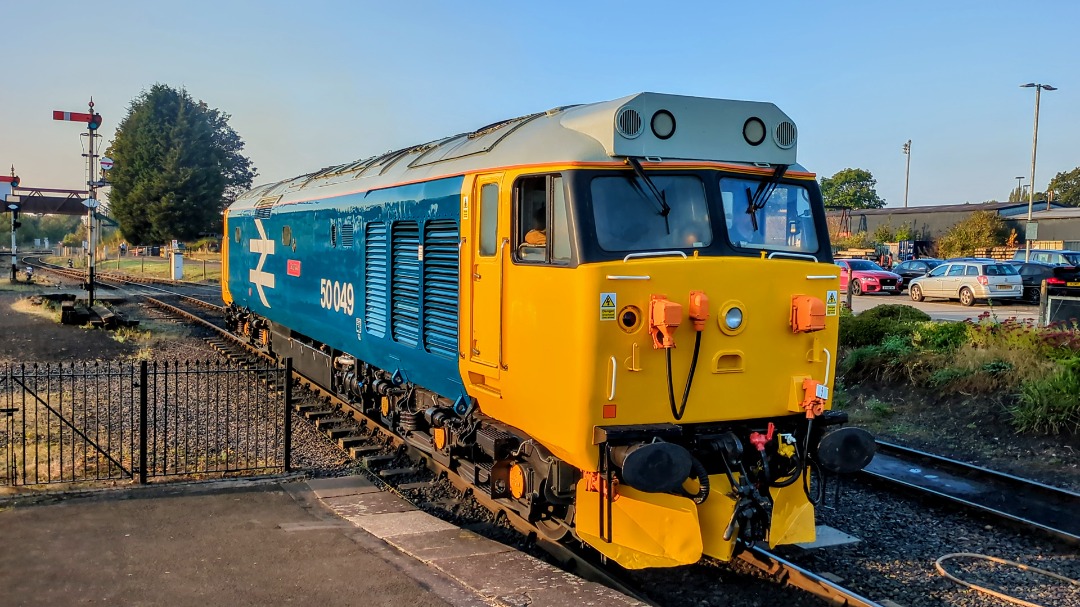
(620, 319)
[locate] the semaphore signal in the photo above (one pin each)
(93, 121)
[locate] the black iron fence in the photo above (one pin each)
(71, 423)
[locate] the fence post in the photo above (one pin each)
(1044, 306)
(847, 297)
(288, 414)
(143, 378)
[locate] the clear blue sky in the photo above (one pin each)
(311, 84)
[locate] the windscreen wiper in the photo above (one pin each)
(756, 200)
(658, 195)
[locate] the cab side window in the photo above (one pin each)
(542, 223)
(489, 218)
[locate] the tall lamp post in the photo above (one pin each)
(1039, 88)
(907, 172)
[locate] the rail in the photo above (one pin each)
(791, 574)
(1049, 509)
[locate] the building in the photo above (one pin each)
(932, 222)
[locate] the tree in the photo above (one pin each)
(884, 233)
(904, 232)
(1066, 188)
(858, 240)
(851, 188)
(1021, 195)
(177, 166)
(981, 229)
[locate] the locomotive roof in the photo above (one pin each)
(704, 130)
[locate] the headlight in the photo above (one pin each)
(733, 318)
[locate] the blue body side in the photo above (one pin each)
(374, 274)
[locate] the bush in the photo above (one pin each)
(858, 240)
(897, 346)
(873, 326)
(896, 312)
(940, 336)
(980, 229)
(1050, 404)
(859, 360)
(945, 376)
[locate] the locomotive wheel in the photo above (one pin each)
(552, 529)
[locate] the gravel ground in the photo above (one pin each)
(902, 538)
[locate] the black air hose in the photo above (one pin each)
(677, 412)
(703, 480)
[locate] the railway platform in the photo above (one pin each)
(335, 542)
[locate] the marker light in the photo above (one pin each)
(753, 131)
(733, 319)
(663, 124)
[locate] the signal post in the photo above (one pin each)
(7, 184)
(93, 121)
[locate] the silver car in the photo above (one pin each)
(969, 281)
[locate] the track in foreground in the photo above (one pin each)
(1049, 509)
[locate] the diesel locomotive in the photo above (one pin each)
(618, 319)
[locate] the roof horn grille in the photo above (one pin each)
(628, 123)
(785, 134)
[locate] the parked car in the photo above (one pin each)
(1057, 258)
(868, 277)
(1060, 280)
(915, 268)
(969, 281)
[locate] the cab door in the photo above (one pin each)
(487, 250)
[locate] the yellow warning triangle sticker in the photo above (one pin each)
(607, 303)
(832, 297)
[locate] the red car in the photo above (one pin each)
(868, 278)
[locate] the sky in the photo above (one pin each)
(318, 83)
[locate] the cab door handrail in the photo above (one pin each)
(499, 261)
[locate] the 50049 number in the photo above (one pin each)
(337, 296)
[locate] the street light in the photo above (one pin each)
(1019, 189)
(907, 173)
(1039, 88)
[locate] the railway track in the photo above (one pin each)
(109, 280)
(789, 573)
(1018, 500)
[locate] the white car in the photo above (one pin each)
(969, 281)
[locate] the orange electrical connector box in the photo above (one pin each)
(699, 309)
(807, 314)
(664, 317)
